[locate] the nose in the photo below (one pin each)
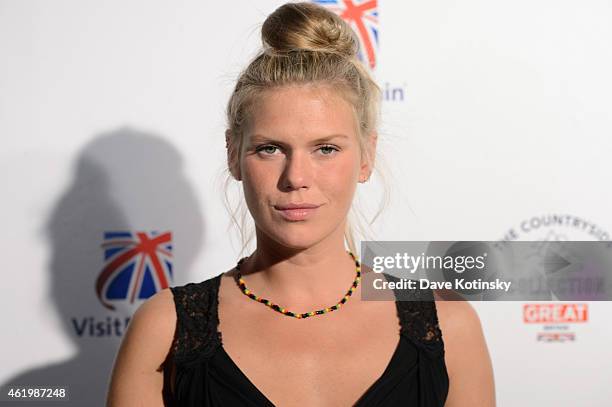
(298, 171)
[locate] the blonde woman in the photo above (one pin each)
(286, 326)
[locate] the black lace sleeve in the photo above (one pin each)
(416, 310)
(419, 322)
(196, 334)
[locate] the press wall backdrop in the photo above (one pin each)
(496, 125)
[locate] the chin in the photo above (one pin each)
(294, 242)
(294, 238)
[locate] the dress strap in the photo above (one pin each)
(418, 316)
(197, 322)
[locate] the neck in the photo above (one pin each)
(300, 278)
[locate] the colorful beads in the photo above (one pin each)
(278, 308)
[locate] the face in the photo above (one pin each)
(301, 150)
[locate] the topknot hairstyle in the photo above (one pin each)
(308, 27)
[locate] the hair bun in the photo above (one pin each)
(307, 26)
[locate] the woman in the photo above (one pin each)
(301, 136)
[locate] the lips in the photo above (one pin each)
(296, 206)
(296, 211)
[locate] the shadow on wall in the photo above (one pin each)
(124, 180)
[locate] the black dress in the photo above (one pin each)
(205, 375)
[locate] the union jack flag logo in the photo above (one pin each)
(136, 266)
(362, 16)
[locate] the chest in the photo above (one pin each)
(328, 360)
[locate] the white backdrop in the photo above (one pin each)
(112, 117)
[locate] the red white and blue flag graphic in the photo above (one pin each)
(136, 266)
(362, 16)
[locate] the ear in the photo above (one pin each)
(367, 158)
(233, 158)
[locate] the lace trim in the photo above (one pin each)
(197, 319)
(416, 310)
(419, 320)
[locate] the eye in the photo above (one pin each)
(328, 149)
(268, 149)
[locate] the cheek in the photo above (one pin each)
(257, 182)
(339, 180)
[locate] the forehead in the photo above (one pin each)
(302, 110)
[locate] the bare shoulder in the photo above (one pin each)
(157, 315)
(158, 309)
(458, 320)
(153, 324)
(469, 366)
(137, 374)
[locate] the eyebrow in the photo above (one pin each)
(261, 138)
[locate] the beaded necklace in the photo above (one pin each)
(278, 308)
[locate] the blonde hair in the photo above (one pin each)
(303, 43)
